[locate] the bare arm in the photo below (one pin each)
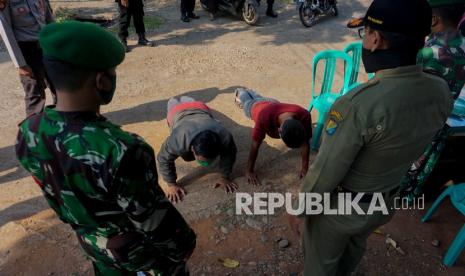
(251, 175)
(305, 153)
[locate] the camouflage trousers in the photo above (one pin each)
(413, 183)
(138, 261)
(101, 269)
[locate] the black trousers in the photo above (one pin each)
(187, 6)
(34, 87)
(212, 5)
(135, 9)
(269, 2)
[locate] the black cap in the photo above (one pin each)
(409, 17)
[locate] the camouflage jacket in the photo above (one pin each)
(103, 182)
(444, 55)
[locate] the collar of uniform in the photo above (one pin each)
(446, 35)
(399, 71)
(71, 116)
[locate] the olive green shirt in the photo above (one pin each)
(375, 132)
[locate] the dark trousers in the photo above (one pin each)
(187, 6)
(135, 9)
(269, 2)
(212, 6)
(34, 87)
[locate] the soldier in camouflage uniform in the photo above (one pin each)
(99, 179)
(444, 56)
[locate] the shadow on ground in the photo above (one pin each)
(9, 166)
(23, 209)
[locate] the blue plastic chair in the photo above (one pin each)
(327, 96)
(457, 197)
(354, 50)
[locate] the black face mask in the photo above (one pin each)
(107, 96)
(386, 59)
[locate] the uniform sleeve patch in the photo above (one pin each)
(331, 126)
(334, 114)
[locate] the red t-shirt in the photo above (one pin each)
(265, 115)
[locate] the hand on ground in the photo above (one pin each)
(174, 193)
(252, 178)
(228, 185)
(303, 172)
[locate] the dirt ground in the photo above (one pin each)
(208, 60)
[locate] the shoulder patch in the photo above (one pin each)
(334, 120)
(362, 87)
(331, 126)
(336, 115)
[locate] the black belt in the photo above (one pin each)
(367, 197)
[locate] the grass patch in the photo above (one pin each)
(62, 14)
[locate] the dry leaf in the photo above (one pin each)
(391, 242)
(227, 262)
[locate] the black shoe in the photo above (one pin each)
(125, 45)
(144, 42)
(271, 13)
(192, 15)
(185, 18)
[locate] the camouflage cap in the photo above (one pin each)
(86, 45)
(439, 3)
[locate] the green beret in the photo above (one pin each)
(439, 3)
(86, 45)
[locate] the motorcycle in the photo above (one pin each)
(247, 9)
(311, 10)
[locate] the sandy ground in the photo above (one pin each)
(208, 60)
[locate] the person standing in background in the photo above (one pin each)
(187, 10)
(134, 9)
(20, 24)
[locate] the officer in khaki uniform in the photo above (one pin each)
(372, 135)
(20, 24)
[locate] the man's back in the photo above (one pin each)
(397, 116)
(103, 182)
(444, 55)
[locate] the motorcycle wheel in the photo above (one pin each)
(334, 10)
(250, 14)
(307, 16)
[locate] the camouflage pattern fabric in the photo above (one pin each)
(413, 183)
(444, 55)
(103, 182)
